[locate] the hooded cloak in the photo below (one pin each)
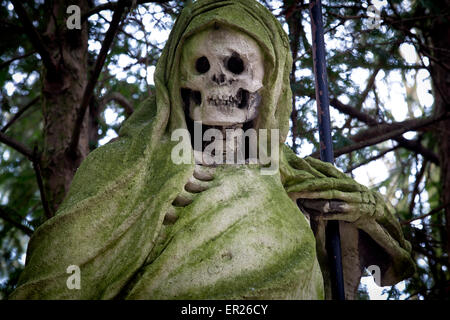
(242, 238)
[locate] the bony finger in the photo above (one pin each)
(326, 168)
(349, 197)
(351, 212)
(324, 206)
(171, 216)
(367, 197)
(326, 184)
(183, 199)
(204, 173)
(346, 217)
(195, 185)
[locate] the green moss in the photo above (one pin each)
(257, 244)
(242, 238)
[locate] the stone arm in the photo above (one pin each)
(370, 233)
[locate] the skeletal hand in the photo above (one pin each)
(332, 195)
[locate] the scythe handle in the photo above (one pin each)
(333, 242)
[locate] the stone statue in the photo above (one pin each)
(139, 226)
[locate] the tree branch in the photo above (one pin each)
(421, 46)
(369, 142)
(387, 136)
(369, 86)
(35, 158)
(345, 18)
(353, 112)
(414, 146)
(120, 99)
(378, 156)
(19, 113)
(5, 216)
(113, 6)
(415, 191)
(8, 62)
(10, 142)
(34, 36)
(435, 210)
(109, 37)
(391, 134)
(417, 147)
(407, 125)
(37, 170)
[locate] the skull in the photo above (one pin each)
(221, 72)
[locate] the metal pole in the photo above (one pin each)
(333, 241)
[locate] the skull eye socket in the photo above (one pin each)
(202, 65)
(235, 64)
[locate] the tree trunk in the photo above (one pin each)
(62, 93)
(440, 42)
(293, 19)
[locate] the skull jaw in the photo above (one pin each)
(222, 115)
(223, 112)
(235, 112)
(225, 148)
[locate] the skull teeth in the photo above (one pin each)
(238, 101)
(223, 101)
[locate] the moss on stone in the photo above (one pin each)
(242, 238)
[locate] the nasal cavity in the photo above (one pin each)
(219, 79)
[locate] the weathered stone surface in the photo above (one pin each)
(232, 233)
